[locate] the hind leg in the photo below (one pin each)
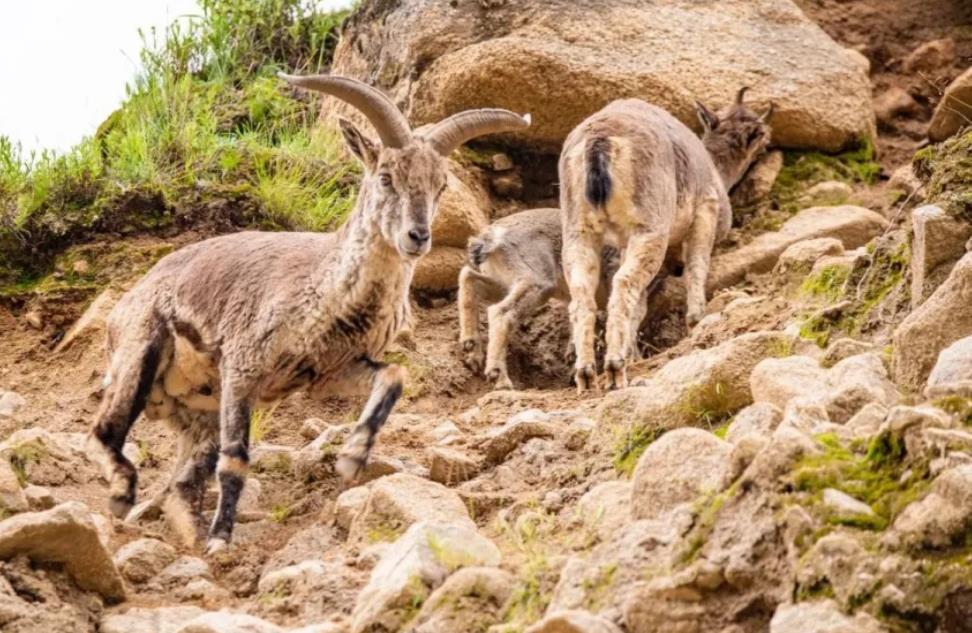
(470, 292)
(698, 252)
(129, 380)
(199, 451)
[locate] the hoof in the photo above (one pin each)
(216, 545)
(120, 507)
(349, 467)
(472, 355)
(585, 377)
(499, 378)
(617, 375)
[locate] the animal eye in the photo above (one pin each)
(385, 180)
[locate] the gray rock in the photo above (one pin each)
(518, 429)
(348, 504)
(844, 348)
(778, 380)
(938, 242)
(801, 256)
(65, 534)
(844, 506)
(10, 403)
(820, 617)
(143, 620)
(470, 599)
(228, 622)
(942, 515)
(678, 468)
(413, 566)
(952, 373)
(759, 419)
(605, 508)
(142, 559)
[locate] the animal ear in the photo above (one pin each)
(359, 144)
(707, 117)
(765, 117)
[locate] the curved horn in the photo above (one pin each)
(741, 94)
(769, 112)
(388, 121)
(451, 132)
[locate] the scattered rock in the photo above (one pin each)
(10, 403)
(227, 622)
(142, 559)
(942, 515)
(501, 162)
(65, 534)
(779, 380)
(508, 184)
(679, 467)
(311, 428)
(397, 501)
(893, 103)
(844, 506)
(952, 373)
(954, 111)
(450, 466)
(801, 256)
(844, 348)
(758, 181)
(904, 181)
(412, 567)
(938, 242)
(867, 422)
(714, 380)
(853, 226)
(181, 572)
(932, 326)
(348, 504)
(34, 319)
(469, 600)
(573, 622)
(606, 507)
(13, 498)
(855, 382)
(309, 590)
(931, 56)
(46, 459)
(518, 429)
(827, 193)
(142, 620)
(759, 419)
(820, 617)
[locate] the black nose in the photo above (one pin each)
(419, 235)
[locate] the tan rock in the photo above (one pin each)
(954, 111)
(952, 374)
(820, 617)
(605, 508)
(546, 59)
(574, 621)
(142, 559)
(779, 380)
(397, 501)
(450, 466)
(146, 620)
(801, 256)
(827, 193)
(678, 468)
(939, 242)
(463, 210)
(758, 181)
(853, 226)
(931, 56)
(759, 419)
(892, 103)
(65, 534)
(12, 496)
(438, 270)
(942, 319)
(415, 565)
(521, 427)
(470, 599)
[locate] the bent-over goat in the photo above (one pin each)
(227, 324)
(634, 177)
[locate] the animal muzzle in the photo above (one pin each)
(417, 240)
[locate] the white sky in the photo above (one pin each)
(64, 63)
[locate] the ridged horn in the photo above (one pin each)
(741, 94)
(451, 132)
(388, 121)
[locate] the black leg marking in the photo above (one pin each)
(233, 463)
(386, 389)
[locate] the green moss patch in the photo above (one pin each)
(946, 170)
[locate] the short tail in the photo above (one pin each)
(478, 250)
(598, 172)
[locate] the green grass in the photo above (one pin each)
(629, 446)
(802, 170)
(204, 123)
(946, 170)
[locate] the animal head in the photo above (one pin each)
(406, 173)
(735, 137)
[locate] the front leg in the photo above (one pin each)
(234, 458)
(641, 261)
(582, 264)
(524, 298)
(387, 382)
(471, 349)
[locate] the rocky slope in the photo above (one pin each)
(801, 461)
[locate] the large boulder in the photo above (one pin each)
(438, 270)
(942, 319)
(853, 226)
(141, 559)
(954, 111)
(68, 535)
(412, 567)
(562, 60)
(471, 599)
(144, 620)
(820, 617)
(573, 621)
(679, 467)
